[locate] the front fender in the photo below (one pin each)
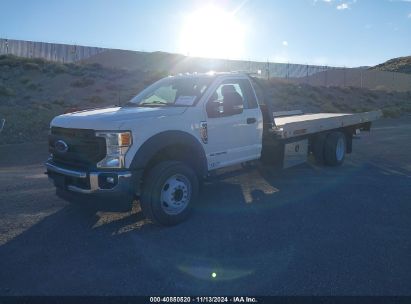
(165, 139)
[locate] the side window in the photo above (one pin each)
(227, 100)
(249, 94)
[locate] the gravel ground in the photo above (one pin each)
(308, 230)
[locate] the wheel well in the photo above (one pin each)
(177, 152)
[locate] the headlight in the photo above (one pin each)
(117, 145)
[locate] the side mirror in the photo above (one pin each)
(214, 109)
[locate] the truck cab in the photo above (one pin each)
(164, 141)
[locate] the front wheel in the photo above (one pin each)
(168, 193)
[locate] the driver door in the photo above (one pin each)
(232, 125)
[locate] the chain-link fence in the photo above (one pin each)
(297, 73)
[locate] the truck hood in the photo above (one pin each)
(111, 118)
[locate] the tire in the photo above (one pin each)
(335, 146)
(169, 191)
(318, 148)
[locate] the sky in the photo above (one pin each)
(320, 32)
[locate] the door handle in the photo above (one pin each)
(251, 120)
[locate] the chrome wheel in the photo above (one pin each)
(340, 150)
(175, 194)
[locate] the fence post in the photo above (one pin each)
(268, 70)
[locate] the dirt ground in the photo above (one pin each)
(308, 230)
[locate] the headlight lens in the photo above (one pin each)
(117, 145)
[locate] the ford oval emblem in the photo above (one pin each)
(61, 146)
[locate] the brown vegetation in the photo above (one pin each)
(33, 91)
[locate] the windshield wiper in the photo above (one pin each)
(148, 104)
(153, 104)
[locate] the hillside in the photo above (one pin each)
(133, 60)
(172, 63)
(400, 65)
(33, 91)
(289, 96)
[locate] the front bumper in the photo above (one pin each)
(121, 182)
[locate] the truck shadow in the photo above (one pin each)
(16, 154)
(277, 230)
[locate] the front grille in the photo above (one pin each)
(85, 150)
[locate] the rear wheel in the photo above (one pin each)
(318, 148)
(168, 193)
(334, 149)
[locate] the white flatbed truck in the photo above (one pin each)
(167, 139)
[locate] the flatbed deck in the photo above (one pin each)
(297, 125)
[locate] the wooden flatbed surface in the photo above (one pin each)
(291, 126)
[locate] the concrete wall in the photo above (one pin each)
(49, 51)
(311, 74)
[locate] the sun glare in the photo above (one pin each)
(212, 32)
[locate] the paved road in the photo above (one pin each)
(305, 231)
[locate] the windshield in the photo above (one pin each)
(172, 92)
